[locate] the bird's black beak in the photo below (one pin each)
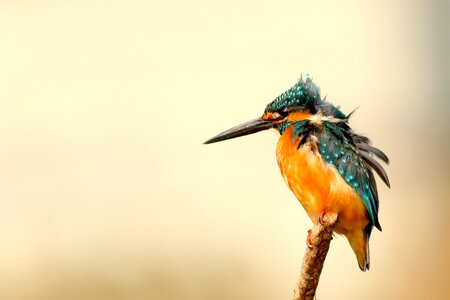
(241, 130)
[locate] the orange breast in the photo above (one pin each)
(318, 186)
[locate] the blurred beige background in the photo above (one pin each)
(106, 191)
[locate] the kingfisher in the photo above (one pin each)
(327, 165)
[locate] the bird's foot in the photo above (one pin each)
(327, 219)
(321, 217)
(308, 239)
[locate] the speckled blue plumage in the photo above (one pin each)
(304, 94)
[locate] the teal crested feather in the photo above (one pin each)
(303, 94)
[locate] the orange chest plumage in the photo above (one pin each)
(318, 185)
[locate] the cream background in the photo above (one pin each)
(106, 191)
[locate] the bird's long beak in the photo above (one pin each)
(241, 130)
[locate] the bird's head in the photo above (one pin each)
(299, 102)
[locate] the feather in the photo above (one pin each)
(360, 139)
(377, 152)
(376, 166)
(373, 184)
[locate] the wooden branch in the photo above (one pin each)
(320, 238)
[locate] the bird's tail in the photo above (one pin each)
(359, 242)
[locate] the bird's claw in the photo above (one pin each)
(320, 218)
(308, 239)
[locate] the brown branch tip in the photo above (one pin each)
(315, 254)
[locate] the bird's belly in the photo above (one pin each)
(319, 187)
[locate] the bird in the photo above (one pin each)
(325, 163)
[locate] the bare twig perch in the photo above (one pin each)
(320, 237)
